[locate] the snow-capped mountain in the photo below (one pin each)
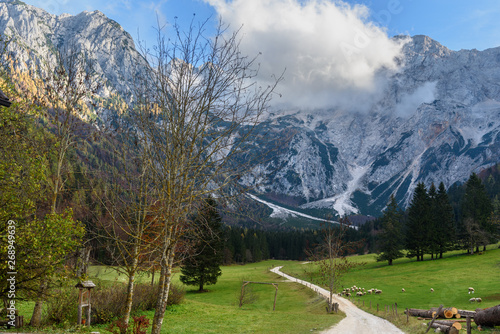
(438, 119)
(36, 34)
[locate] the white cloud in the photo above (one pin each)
(410, 102)
(332, 53)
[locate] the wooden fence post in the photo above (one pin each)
(434, 318)
(469, 327)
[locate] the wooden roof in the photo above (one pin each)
(85, 284)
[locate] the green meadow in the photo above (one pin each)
(299, 310)
(450, 278)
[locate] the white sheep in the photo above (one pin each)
(432, 290)
(471, 290)
(403, 290)
(378, 292)
(478, 300)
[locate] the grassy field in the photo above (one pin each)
(450, 278)
(298, 309)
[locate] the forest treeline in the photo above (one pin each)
(464, 217)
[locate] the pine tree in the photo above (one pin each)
(476, 227)
(203, 267)
(445, 227)
(391, 238)
(431, 242)
(418, 222)
(495, 218)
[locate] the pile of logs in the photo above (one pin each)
(447, 313)
(488, 317)
(448, 327)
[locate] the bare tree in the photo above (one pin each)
(67, 85)
(199, 106)
(331, 254)
(123, 213)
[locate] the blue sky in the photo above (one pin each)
(457, 24)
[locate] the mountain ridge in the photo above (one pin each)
(437, 118)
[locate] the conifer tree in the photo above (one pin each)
(418, 222)
(391, 238)
(445, 227)
(476, 227)
(203, 267)
(431, 242)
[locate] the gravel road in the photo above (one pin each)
(356, 320)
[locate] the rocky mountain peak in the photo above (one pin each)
(438, 118)
(102, 39)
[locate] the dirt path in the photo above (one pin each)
(356, 320)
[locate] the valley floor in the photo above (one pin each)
(356, 320)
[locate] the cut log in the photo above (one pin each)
(488, 317)
(445, 312)
(465, 313)
(455, 324)
(445, 328)
(415, 312)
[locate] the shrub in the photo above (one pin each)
(175, 295)
(62, 307)
(145, 296)
(108, 302)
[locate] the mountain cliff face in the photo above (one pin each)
(438, 119)
(37, 34)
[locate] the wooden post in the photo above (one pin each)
(80, 296)
(396, 308)
(407, 316)
(275, 296)
(19, 321)
(469, 326)
(434, 317)
(242, 293)
(88, 309)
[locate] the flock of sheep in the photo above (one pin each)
(359, 291)
(347, 292)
